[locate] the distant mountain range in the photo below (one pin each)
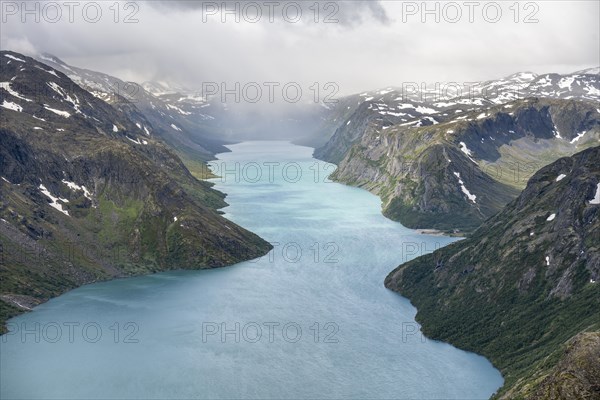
(91, 191)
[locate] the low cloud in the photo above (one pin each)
(374, 44)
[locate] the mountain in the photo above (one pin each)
(419, 104)
(451, 165)
(194, 124)
(523, 289)
(193, 132)
(88, 195)
(159, 88)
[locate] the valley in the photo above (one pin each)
(103, 179)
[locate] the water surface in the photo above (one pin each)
(310, 320)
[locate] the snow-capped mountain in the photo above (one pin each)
(158, 88)
(524, 119)
(185, 130)
(438, 103)
(584, 86)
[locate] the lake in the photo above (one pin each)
(310, 320)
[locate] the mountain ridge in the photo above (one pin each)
(501, 142)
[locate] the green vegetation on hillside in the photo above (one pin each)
(525, 283)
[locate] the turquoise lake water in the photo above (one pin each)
(310, 320)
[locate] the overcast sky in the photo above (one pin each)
(374, 44)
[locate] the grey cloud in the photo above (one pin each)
(349, 13)
(171, 43)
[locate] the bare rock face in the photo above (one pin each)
(523, 284)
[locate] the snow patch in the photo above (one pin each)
(432, 120)
(565, 83)
(136, 141)
(63, 93)
(48, 71)
(596, 199)
(557, 134)
(579, 136)
(115, 129)
(592, 91)
(175, 127)
(425, 110)
(560, 177)
(551, 217)
(179, 110)
(11, 106)
(6, 86)
(59, 112)
(13, 58)
(55, 204)
(465, 149)
(471, 197)
(75, 187)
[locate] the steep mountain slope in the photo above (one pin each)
(523, 285)
(192, 130)
(88, 195)
(450, 164)
(456, 174)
